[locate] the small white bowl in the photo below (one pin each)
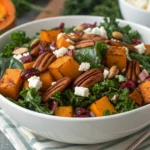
(134, 14)
(76, 130)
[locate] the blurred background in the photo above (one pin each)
(28, 10)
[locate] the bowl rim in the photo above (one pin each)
(46, 116)
(134, 7)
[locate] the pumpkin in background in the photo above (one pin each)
(7, 15)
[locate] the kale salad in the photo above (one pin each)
(89, 70)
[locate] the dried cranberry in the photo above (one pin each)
(26, 59)
(128, 84)
(88, 25)
(70, 53)
(26, 74)
(43, 49)
(81, 112)
(52, 106)
(136, 41)
(61, 26)
(148, 78)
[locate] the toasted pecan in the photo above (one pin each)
(89, 78)
(58, 87)
(84, 43)
(93, 37)
(43, 61)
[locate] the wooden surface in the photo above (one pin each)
(54, 7)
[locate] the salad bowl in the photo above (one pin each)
(76, 130)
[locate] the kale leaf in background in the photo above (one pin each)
(92, 7)
(22, 6)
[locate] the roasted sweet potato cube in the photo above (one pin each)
(64, 66)
(49, 35)
(101, 105)
(46, 79)
(136, 97)
(62, 42)
(116, 55)
(28, 65)
(145, 91)
(147, 52)
(64, 111)
(10, 83)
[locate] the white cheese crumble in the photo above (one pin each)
(70, 41)
(121, 78)
(53, 83)
(127, 53)
(98, 31)
(34, 82)
(59, 35)
(60, 52)
(144, 4)
(84, 66)
(18, 57)
(26, 54)
(52, 48)
(71, 47)
(81, 91)
(140, 48)
(105, 73)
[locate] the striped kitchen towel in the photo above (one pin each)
(22, 139)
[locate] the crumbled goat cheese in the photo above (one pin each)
(60, 52)
(71, 47)
(81, 91)
(26, 54)
(18, 57)
(98, 31)
(34, 82)
(105, 73)
(127, 54)
(140, 48)
(84, 66)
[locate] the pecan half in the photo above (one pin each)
(118, 43)
(133, 70)
(74, 37)
(93, 37)
(58, 87)
(84, 43)
(89, 78)
(35, 50)
(43, 61)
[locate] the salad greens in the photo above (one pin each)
(30, 99)
(144, 60)
(93, 55)
(110, 24)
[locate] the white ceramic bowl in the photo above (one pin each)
(76, 130)
(134, 14)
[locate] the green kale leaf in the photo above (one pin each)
(93, 55)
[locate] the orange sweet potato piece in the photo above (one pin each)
(99, 107)
(10, 83)
(46, 80)
(7, 15)
(28, 65)
(49, 35)
(145, 91)
(136, 97)
(116, 56)
(147, 52)
(64, 111)
(62, 42)
(64, 66)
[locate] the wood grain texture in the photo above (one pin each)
(55, 7)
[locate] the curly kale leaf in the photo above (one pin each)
(31, 100)
(17, 39)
